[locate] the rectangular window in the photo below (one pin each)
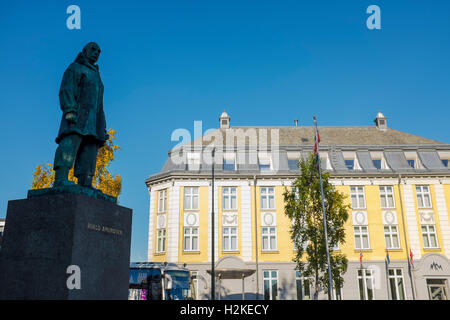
(423, 196)
(350, 164)
(190, 239)
(357, 197)
(411, 163)
(267, 198)
(162, 200)
(270, 278)
(304, 287)
(361, 234)
(269, 238)
(387, 197)
(396, 284)
(191, 198)
(391, 238)
(229, 239)
(366, 284)
(229, 200)
(161, 240)
(429, 237)
(377, 163)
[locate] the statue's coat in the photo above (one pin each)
(81, 92)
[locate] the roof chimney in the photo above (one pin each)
(380, 121)
(224, 120)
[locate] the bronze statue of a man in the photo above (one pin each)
(83, 126)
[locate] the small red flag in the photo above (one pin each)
(411, 256)
(360, 257)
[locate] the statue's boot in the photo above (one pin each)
(61, 180)
(85, 180)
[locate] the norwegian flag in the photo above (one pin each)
(387, 257)
(411, 257)
(316, 143)
(360, 257)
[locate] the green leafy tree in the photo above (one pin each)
(44, 175)
(303, 205)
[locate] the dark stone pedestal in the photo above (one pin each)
(46, 234)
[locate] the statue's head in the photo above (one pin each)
(91, 51)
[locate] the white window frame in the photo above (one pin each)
(368, 279)
(299, 277)
(267, 194)
(228, 193)
(270, 278)
(355, 193)
(188, 239)
(422, 192)
(387, 192)
(227, 239)
(161, 240)
(269, 236)
(427, 234)
(191, 198)
(391, 234)
(396, 277)
(359, 235)
(162, 200)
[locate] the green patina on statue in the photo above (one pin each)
(83, 126)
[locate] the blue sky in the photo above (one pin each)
(165, 64)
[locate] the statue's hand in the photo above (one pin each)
(71, 117)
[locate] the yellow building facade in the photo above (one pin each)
(397, 185)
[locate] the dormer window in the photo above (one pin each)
(351, 161)
(293, 164)
(193, 161)
(350, 164)
(229, 162)
(378, 160)
(377, 163)
(264, 162)
(445, 162)
(413, 160)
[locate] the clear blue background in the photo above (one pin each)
(167, 63)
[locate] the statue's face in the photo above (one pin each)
(92, 52)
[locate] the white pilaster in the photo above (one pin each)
(442, 214)
(246, 223)
(411, 221)
(173, 219)
(151, 219)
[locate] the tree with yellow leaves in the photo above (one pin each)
(44, 175)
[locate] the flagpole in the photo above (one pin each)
(387, 262)
(330, 281)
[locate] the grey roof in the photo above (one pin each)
(334, 140)
(303, 136)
